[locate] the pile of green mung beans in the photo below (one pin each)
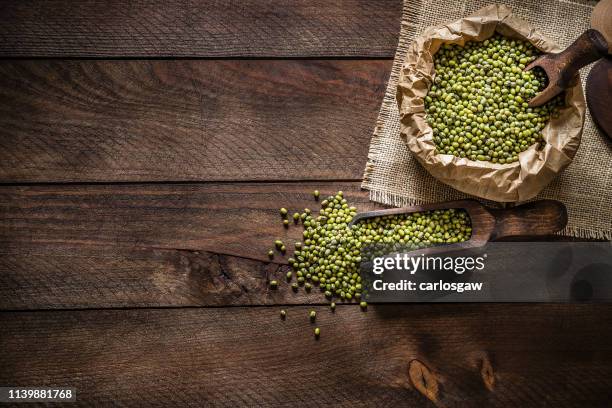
(477, 106)
(331, 250)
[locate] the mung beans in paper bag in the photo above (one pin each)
(536, 166)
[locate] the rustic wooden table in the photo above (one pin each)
(145, 148)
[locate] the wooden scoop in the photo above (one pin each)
(561, 68)
(538, 218)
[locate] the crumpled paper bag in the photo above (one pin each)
(535, 168)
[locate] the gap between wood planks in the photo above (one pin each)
(173, 182)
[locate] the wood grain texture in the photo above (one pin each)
(250, 357)
(187, 120)
(199, 28)
(149, 245)
(538, 218)
(57, 276)
(236, 219)
(93, 246)
(598, 94)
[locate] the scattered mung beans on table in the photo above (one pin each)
(331, 251)
(477, 106)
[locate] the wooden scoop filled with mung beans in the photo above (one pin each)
(562, 68)
(333, 240)
(538, 218)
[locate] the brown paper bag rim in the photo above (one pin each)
(518, 181)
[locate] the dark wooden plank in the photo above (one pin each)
(199, 28)
(187, 120)
(236, 219)
(494, 356)
(93, 246)
(146, 245)
(58, 276)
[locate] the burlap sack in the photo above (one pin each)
(518, 181)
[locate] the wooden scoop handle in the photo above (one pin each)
(587, 48)
(561, 68)
(544, 217)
